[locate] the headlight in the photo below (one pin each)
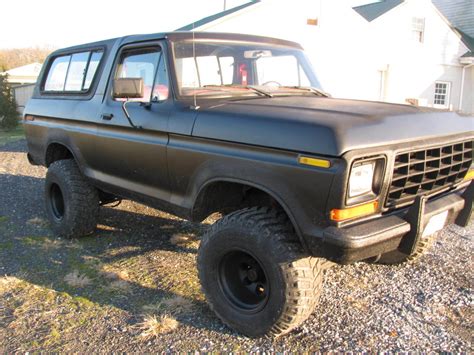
(361, 179)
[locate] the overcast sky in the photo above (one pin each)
(60, 23)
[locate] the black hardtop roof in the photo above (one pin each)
(176, 36)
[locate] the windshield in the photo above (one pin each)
(217, 69)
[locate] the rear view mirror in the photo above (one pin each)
(257, 54)
(128, 88)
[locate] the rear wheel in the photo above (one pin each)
(72, 204)
(255, 275)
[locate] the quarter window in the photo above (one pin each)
(73, 73)
(441, 96)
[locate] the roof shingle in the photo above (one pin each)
(371, 11)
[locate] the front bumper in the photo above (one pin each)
(400, 230)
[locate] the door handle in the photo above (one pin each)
(107, 116)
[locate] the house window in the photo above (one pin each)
(418, 29)
(441, 96)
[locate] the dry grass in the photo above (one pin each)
(167, 226)
(7, 283)
(38, 222)
(178, 304)
(174, 305)
(119, 285)
(115, 275)
(153, 326)
(75, 279)
(182, 239)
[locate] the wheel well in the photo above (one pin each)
(226, 197)
(56, 152)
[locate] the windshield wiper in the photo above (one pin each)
(259, 91)
(248, 87)
(315, 91)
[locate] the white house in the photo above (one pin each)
(394, 50)
(22, 80)
(26, 74)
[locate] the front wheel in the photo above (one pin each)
(397, 257)
(72, 204)
(255, 275)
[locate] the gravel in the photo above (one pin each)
(423, 306)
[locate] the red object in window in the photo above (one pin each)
(243, 74)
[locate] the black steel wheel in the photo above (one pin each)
(57, 201)
(255, 275)
(244, 281)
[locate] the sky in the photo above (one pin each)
(62, 23)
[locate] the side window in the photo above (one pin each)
(57, 74)
(139, 63)
(205, 70)
(226, 65)
(92, 68)
(73, 73)
(208, 70)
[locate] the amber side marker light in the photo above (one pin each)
(320, 163)
(353, 212)
(469, 175)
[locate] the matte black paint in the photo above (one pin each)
(255, 142)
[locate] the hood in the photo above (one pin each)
(325, 126)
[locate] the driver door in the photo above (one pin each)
(133, 160)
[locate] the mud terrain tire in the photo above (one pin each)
(72, 204)
(255, 274)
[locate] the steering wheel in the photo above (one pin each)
(271, 82)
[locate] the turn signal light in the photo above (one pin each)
(469, 175)
(320, 163)
(353, 212)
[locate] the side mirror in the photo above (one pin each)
(128, 88)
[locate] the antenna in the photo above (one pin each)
(195, 106)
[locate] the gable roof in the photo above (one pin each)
(216, 16)
(460, 13)
(32, 69)
(468, 41)
(372, 11)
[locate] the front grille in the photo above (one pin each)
(427, 171)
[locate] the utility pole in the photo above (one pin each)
(225, 7)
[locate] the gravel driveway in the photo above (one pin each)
(101, 293)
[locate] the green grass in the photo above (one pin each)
(13, 135)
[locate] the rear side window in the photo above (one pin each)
(73, 73)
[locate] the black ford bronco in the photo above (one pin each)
(198, 123)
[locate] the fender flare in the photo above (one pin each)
(271, 193)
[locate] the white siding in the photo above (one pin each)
(22, 95)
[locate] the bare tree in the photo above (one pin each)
(17, 57)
